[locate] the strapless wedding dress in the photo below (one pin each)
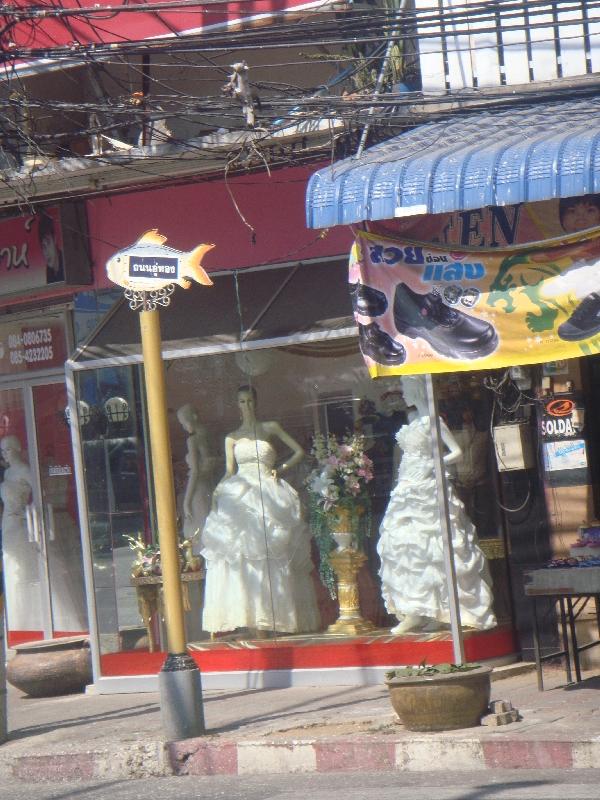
(410, 543)
(257, 551)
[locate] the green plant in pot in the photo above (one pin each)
(440, 697)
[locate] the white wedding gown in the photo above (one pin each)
(20, 558)
(257, 551)
(410, 544)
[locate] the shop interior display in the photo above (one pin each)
(255, 542)
(259, 575)
(410, 544)
(196, 500)
(20, 555)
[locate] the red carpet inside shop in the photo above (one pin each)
(378, 649)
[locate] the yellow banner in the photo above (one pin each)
(421, 309)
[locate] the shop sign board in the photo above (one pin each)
(428, 308)
(561, 418)
(149, 265)
(561, 456)
(31, 344)
(43, 250)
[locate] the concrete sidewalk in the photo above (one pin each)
(82, 737)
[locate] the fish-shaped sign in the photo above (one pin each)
(148, 265)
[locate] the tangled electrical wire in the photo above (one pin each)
(133, 74)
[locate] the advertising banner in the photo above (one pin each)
(44, 250)
(422, 308)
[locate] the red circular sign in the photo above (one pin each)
(561, 407)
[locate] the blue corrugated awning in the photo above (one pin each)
(538, 152)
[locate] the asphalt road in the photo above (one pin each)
(488, 785)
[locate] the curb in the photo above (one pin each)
(203, 757)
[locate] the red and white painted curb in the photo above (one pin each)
(209, 756)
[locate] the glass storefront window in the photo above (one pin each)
(246, 524)
(116, 486)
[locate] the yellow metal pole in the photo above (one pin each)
(162, 469)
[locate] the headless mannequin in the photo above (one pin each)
(195, 501)
(415, 396)
(21, 573)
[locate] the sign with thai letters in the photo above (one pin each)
(426, 308)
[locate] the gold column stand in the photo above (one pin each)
(150, 598)
(346, 563)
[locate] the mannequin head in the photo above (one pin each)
(246, 400)
(10, 447)
(188, 418)
(415, 392)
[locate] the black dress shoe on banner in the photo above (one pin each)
(379, 346)
(584, 321)
(366, 301)
(448, 331)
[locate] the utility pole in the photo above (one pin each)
(148, 272)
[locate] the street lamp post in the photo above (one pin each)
(148, 271)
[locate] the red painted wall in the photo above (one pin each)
(205, 212)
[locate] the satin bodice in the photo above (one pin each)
(254, 454)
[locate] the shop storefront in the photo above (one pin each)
(485, 257)
(43, 263)
(286, 334)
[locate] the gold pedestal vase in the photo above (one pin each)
(346, 562)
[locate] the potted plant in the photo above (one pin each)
(339, 501)
(440, 697)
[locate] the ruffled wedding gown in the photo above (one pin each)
(257, 551)
(410, 544)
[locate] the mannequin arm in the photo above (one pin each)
(275, 429)
(454, 452)
(229, 456)
(193, 460)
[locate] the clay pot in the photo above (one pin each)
(441, 702)
(51, 667)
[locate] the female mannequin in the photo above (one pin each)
(255, 543)
(410, 545)
(196, 500)
(20, 555)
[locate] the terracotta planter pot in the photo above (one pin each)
(441, 702)
(51, 667)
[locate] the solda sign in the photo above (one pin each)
(561, 419)
(46, 249)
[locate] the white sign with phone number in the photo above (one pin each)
(30, 346)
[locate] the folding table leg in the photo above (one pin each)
(536, 644)
(574, 640)
(565, 638)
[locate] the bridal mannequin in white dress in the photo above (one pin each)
(255, 543)
(196, 500)
(410, 544)
(20, 553)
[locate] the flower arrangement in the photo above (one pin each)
(147, 560)
(338, 483)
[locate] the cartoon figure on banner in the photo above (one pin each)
(540, 277)
(581, 280)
